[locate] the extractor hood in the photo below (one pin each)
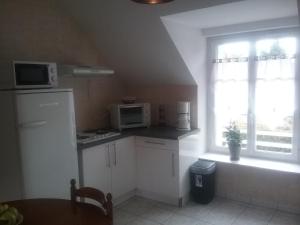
(84, 71)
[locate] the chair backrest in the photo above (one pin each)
(94, 194)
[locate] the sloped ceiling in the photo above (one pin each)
(135, 40)
(132, 38)
(188, 30)
(237, 13)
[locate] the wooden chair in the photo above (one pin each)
(94, 194)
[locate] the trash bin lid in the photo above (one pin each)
(203, 167)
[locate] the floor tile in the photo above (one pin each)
(136, 206)
(141, 221)
(182, 220)
(165, 206)
(139, 211)
(281, 218)
(123, 218)
(157, 214)
(195, 210)
(225, 213)
(255, 216)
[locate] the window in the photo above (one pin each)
(252, 83)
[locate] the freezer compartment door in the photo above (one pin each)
(47, 139)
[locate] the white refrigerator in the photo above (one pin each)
(38, 154)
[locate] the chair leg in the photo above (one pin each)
(109, 206)
(73, 190)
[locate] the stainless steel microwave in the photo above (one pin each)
(28, 75)
(130, 115)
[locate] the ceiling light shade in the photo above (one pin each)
(152, 1)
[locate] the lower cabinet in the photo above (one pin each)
(124, 167)
(111, 167)
(146, 166)
(157, 173)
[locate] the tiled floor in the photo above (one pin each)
(139, 211)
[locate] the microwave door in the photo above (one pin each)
(31, 75)
(131, 116)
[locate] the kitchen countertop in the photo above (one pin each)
(153, 132)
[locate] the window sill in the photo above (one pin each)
(253, 162)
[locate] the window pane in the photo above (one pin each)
(232, 71)
(231, 90)
(282, 46)
(231, 104)
(233, 50)
(275, 93)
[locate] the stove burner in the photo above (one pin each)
(102, 132)
(84, 138)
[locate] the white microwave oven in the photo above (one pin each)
(28, 75)
(125, 116)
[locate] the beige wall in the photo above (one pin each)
(167, 95)
(38, 30)
(92, 100)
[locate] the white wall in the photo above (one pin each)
(273, 189)
(252, 26)
(251, 185)
(188, 31)
(236, 13)
(191, 46)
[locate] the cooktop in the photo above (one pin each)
(95, 135)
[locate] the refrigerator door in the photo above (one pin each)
(47, 143)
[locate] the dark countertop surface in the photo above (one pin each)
(152, 132)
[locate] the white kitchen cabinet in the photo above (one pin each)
(111, 167)
(97, 168)
(157, 170)
(123, 167)
(150, 167)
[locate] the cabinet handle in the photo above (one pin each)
(108, 157)
(153, 142)
(173, 165)
(115, 151)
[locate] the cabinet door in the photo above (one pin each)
(157, 172)
(124, 166)
(96, 168)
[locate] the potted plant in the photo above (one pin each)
(10, 216)
(233, 137)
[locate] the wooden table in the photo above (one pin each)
(59, 212)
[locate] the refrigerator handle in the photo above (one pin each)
(33, 124)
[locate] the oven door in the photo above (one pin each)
(33, 75)
(131, 116)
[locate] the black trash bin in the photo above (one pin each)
(202, 174)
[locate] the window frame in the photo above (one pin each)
(250, 151)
